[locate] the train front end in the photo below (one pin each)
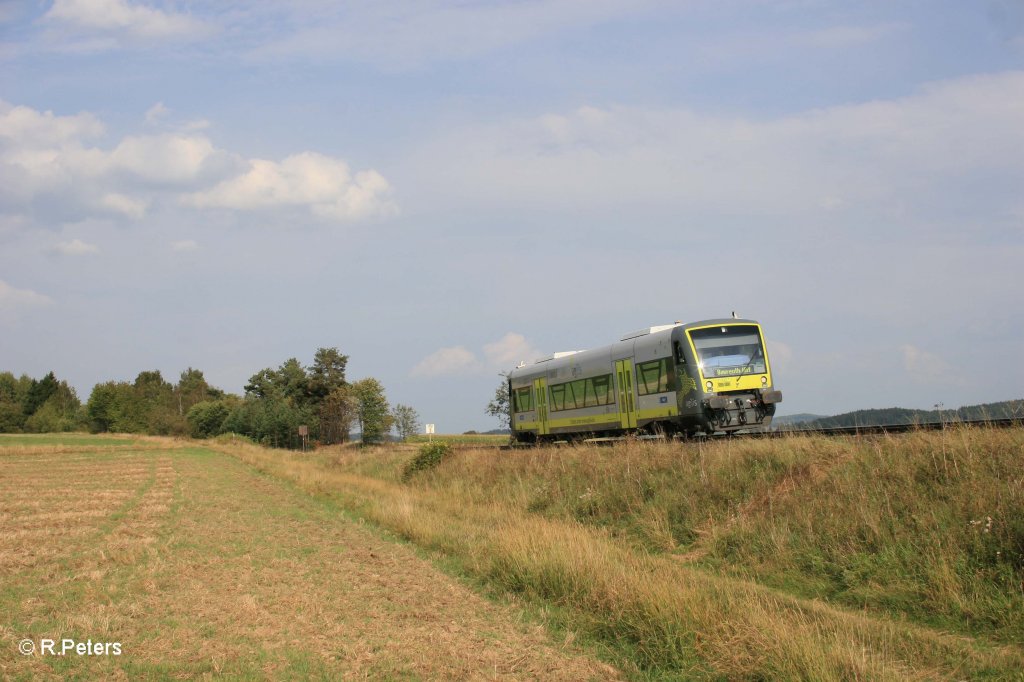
(733, 375)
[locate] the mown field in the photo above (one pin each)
(806, 558)
(199, 566)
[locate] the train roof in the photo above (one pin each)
(646, 331)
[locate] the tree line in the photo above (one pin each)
(275, 403)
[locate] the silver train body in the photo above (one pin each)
(709, 377)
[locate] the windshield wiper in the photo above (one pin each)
(749, 365)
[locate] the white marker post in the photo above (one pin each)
(429, 430)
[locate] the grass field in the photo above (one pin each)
(8, 441)
(805, 558)
(820, 558)
(463, 438)
(197, 565)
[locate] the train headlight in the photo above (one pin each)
(764, 381)
(710, 386)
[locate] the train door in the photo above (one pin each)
(540, 395)
(627, 405)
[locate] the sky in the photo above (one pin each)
(442, 189)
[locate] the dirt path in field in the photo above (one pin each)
(200, 566)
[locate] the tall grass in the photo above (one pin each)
(701, 558)
(927, 525)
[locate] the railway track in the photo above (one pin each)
(860, 430)
(903, 428)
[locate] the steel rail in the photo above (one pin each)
(867, 429)
(791, 431)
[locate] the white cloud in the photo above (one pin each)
(48, 164)
(50, 168)
(764, 43)
(447, 361)
(501, 355)
(323, 184)
(168, 158)
(30, 128)
(406, 33)
(75, 247)
(883, 155)
(13, 300)
(925, 366)
(156, 113)
(779, 354)
(122, 17)
(124, 205)
(843, 36)
(197, 124)
(508, 351)
(185, 245)
(160, 115)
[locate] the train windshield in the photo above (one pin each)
(729, 350)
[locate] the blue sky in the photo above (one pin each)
(442, 189)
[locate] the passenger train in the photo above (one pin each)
(707, 377)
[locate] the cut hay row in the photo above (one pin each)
(70, 499)
(12, 474)
(48, 517)
(50, 486)
(34, 462)
(8, 451)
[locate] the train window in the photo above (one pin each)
(602, 389)
(589, 399)
(558, 397)
(522, 400)
(653, 377)
(729, 351)
(574, 395)
(578, 389)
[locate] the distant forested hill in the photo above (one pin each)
(790, 419)
(899, 415)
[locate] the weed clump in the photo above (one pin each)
(231, 438)
(429, 456)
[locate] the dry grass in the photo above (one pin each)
(200, 567)
(720, 559)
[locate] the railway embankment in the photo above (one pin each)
(873, 556)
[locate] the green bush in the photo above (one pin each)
(207, 418)
(429, 456)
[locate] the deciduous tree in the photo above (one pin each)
(193, 389)
(407, 421)
(59, 413)
(338, 412)
(500, 406)
(373, 412)
(206, 419)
